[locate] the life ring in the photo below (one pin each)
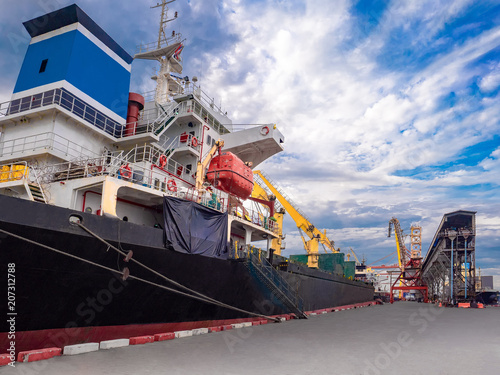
(264, 130)
(163, 160)
(194, 142)
(172, 186)
(125, 171)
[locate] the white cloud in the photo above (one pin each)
(327, 99)
(491, 81)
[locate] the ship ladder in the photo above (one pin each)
(165, 119)
(35, 192)
(264, 274)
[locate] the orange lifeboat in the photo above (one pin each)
(228, 173)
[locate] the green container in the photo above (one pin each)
(332, 263)
(299, 258)
(350, 269)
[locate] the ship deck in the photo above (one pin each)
(406, 337)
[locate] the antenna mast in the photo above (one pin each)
(166, 50)
(164, 20)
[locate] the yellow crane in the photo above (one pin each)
(201, 168)
(410, 263)
(259, 192)
(351, 251)
(403, 252)
(316, 237)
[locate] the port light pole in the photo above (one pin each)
(452, 235)
(466, 236)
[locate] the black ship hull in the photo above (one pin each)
(61, 300)
(487, 297)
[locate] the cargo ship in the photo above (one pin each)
(126, 214)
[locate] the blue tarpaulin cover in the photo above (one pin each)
(192, 228)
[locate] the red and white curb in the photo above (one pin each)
(110, 344)
(38, 355)
(81, 348)
(340, 308)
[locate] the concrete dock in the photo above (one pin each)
(403, 338)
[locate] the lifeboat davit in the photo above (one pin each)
(229, 173)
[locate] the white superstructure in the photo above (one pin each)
(67, 143)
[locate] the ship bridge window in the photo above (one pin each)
(43, 66)
(209, 139)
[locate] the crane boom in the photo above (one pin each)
(202, 166)
(315, 235)
(351, 251)
(260, 194)
(403, 252)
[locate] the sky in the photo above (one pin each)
(388, 108)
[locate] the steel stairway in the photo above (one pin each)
(278, 286)
(36, 192)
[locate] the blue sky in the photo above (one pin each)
(389, 108)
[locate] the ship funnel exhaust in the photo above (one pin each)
(135, 105)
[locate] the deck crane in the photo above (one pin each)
(303, 224)
(410, 263)
(203, 163)
(351, 251)
(260, 195)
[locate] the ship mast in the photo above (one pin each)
(164, 20)
(167, 52)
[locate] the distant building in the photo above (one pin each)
(487, 282)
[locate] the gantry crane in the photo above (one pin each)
(316, 237)
(410, 263)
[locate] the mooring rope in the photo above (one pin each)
(122, 252)
(201, 297)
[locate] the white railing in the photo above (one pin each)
(192, 88)
(66, 100)
(206, 117)
(122, 168)
(150, 121)
(153, 46)
(151, 155)
(149, 96)
(257, 218)
(45, 141)
(4, 109)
